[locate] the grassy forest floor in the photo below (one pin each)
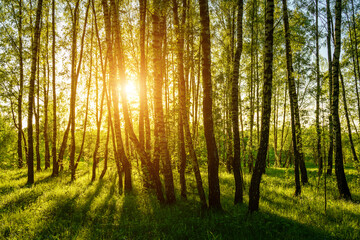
(54, 208)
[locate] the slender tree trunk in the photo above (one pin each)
(86, 117)
(144, 135)
(34, 54)
(37, 107)
(276, 116)
(318, 93)
(183, 115)
(180, 76)
(73, 88)
(63, 146)
(254, 191)
(236, 164)
(55, 162)
(21, 89)
(348, 119)
(212, 152)
(251, 87)
(98, 122)
(158, 32)
(117, 138)
(46, 96)
(140, 150)
(339, 165)
(356, 47)
(106, 150)
(119, 56)
(355, 61)
(331, 126)
(104, 95)
(294, 105)
(283, 139)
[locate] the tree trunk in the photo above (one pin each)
(183, 115)
(251, 87)
(283, 139)
(73, 88)
(331, 126)
(318, 93)
(37, 109)
(294, 105)
(63, 146)
(46, 96)
(21, 90)
(55, 162)
(34, 53)
(354, 58)
(140, 149)
(143, 114)
(339, 165)
(86, 116)
(254, 191)
(180, 75)
(348, 119)
(117, 141)
(212, 152)
(276, 117)
(158, 32)
(106, 149)
(236, 164)
(355, 48)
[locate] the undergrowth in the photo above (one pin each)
(54, 208)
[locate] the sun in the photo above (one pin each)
(132, 92)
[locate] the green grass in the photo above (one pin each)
(54, 208)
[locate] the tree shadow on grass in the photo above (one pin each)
(19, 175)
(7, 189)
(103, 225)
(21, 200)
(66, 218)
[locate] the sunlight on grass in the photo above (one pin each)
(54, 208)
